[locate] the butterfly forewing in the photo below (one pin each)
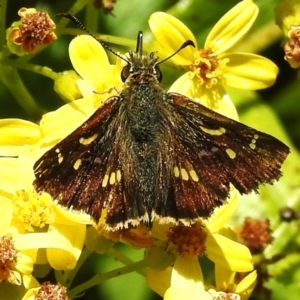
(77, 171)
(227, 151)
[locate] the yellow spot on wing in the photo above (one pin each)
(176, 172)
(194, 175)
(184, 174)
(105, 180)
(231, 153)
(77, 164)
(87, 141)
(219, 131)
(60, 158)
(119, 175)
(112, 179)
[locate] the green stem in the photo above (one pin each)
(99, 278)
(102, 37)
(83, 257)
(20, 64)
(78, 6)
(91, 17)
(11, 78)
(123, 259)
(45, 71)
(3, 4)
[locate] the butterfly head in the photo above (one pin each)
(139, 64)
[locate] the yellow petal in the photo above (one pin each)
(159, 281)
(187, 271)
(215, 98)
(249, 71)
(9, 176)
(58, 124)
(66, 260)
(223, 213)
(15, 133)
(232, 26)
(89, 59)
(191, 293)
(246, 286)
(6, 213)
(170, 33)
(229, 254)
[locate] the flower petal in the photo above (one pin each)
(228, 254)
(15, 133)
(215, 98)
(247, 285)
(249, 71)
(89, 59)
(232, 26)
(170, 33)
(65, 259)
(58, 124)
(187, 271)
(159, 281)
(224, 213)
(6, 213)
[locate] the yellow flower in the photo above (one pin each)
(202, 238)
(32, 211)
(225, 279)
(99, 81)
(211, 67)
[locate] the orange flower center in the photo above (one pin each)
(207, 68)
(8, 257)
(188, 240)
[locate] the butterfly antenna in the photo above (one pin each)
(81, 26)
(184, 45)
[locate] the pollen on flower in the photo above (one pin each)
(207, 68)
(137, 237)
(223, 296)
(52, 291)
(32, 209)
(292, 48)
(188, 240)
(8, 257)
(36, 28)
(255, 234)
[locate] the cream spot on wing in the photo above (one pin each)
(184, 174)
(77, 164)
(194, 175)
(252, 146)
(60, 158)
(112, 179)
(176, 172)
(219, 131)
(119, 176)
(105, 180)
(87, 141)
(231, 153)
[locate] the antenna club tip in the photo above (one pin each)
(189, 43)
